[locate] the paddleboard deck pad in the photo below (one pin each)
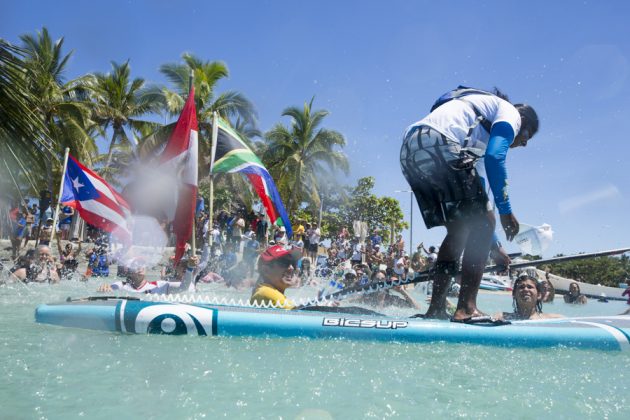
(133, 316)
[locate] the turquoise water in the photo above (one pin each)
(60, 373)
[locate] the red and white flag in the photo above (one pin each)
(95, 200)
(180, 157)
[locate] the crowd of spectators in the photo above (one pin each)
(229, 249)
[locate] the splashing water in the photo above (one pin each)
(148, 241)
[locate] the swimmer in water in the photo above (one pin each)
(277, 269)
(527, 296)
(575, 296)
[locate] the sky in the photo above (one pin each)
(378, 66)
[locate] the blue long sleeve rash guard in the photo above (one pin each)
(501, 137)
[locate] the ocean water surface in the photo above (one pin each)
(53, 372)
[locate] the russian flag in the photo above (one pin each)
(95, 200)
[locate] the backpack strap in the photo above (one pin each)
(480, 119)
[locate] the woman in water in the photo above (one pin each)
(575, 296)
(549, 291)
(527, 296)
(69, 258)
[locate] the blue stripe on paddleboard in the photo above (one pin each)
(622, 332)
(117, 316)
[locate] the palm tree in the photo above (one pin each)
(122, 159)
(23, 141)
(206, 74)
(62, 106)
(298, 155)
(118, 102)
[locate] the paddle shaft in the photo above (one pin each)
(427, 275)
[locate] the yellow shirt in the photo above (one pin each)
(267, 295)
(299, 230)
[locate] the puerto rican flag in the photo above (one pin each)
(95, 200)
(180, 159)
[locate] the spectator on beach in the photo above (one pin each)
(575, 296)
(217, 237)
(307, 234)
(29, 231)
(38, 267)
(344, 234)
(65, 221)
(250, 252)
(376, 257)
(417, 263)
(527, 299)
(356, 253)
(313, 241)
(376, 239)
(237, 232)
(400, 246)
(228, 263)
(34, 211)
(17, 233)
(68, 258)
(98, 261)
(401, 267)
(46, 231)
(299, 231)
(350, 277)
(48, 213)
(432, 255)
(364, 273)
(276, 267)
(137, 282)
(280, 236)
(261, 230)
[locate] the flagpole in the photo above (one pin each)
(213, 152)
(63, 175)
(193, 240)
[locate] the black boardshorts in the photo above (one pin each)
(442, 176)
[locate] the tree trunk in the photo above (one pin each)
(111, 146)
(294, 191)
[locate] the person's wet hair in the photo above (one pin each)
(497, 92)
(579, 292)
(539, 290)
(529, 119)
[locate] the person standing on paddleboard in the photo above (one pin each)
(449, 158)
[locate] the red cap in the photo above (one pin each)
(277, 252)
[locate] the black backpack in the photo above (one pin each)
(462, 92)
